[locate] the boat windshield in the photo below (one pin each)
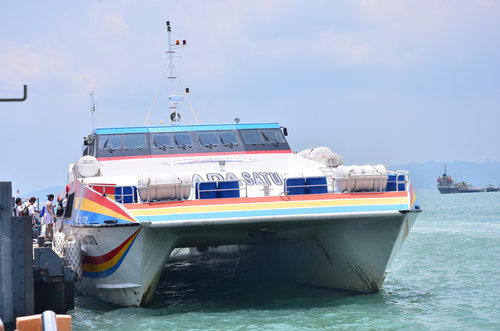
(110, 142)
(182, 139)
(273, 136)
(208, 138)
(252, 137)
(188, 142)
(228, 138)
(162, 141)
(263, 136)
(134, 141)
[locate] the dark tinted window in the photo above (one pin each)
(182, 139)
(134, 141)
(228, 138)
(273, 136)
(252, 137)
(162, 141)
(208, 138)
(110, 142)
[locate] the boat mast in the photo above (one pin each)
(176, 97)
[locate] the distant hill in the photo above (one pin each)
(424, 175)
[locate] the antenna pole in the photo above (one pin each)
(174, 117)
(170, 56)
(176, 96)
(92, 109)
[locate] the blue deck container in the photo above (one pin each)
(229, 189)
(295, 186)
(316, 185)
(206, 190)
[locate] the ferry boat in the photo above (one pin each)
(141, 194)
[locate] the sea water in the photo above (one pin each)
(447, 276)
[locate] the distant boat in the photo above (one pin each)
(491, 188)
(446, 184)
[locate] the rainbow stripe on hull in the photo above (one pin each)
(287, 206)
(104, 265)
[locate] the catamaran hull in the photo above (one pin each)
(123, 263)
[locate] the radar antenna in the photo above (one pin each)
(175, 98)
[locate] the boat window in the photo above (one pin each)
(110, 142)
(252, 137)
(208, 138)
(182, 139)
(228, 138)
(273, 136)
(68, 211)
(134, 141)
(162, 141)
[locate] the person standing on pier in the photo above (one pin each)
(49, 217)
(19, 207)
(35, 222)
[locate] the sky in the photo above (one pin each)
(376, 81)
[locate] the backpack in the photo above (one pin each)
(42, 212)
(25, 211)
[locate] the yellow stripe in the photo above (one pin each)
(413, 197)
(91, 206)
(268, 205)
(110, 263)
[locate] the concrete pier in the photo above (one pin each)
(6, 291)
(32, 280)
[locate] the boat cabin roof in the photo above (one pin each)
(185, 140)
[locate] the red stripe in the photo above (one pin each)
(108, 256)
(308, 197)
(113, 158)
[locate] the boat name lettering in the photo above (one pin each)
(261, 178)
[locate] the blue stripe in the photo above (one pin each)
(96, 218)
(272, 212)
(177, 128)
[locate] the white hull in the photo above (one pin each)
(352, 253)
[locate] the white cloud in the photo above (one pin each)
(109, 21)
(22, 64)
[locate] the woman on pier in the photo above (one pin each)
(49, 217)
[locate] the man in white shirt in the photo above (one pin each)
(19, 207)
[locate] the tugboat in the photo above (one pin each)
(140, 195)
(446, 184)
